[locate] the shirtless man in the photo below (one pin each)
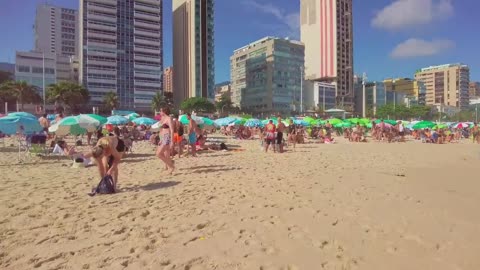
(108, 152)
(280, 128)
(192, 134)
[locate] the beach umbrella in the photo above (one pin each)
(207, 121)
(157, 117)
(254, 123)
(423, 124)
(225, 121)
(22, 114)
(308, 119)
(144, 121)
(12, 124)
(2, 115)
(240, 121)
(275, 121)
(462, 125)
(389, 121)
(76, 125)
(102, 120)
(51, 117)
(184, 120)
(304, 123)
(440, 126)
(334, 121)
(132, 116)
(353, 120)
(117, 120)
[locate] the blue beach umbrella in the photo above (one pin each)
(144, 121)
(117, 120)
(22, 114)
(254, 123)
(11, 124)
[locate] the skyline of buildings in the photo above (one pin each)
(326, 29)
(193, 49)
(120, 46)
(121, 50)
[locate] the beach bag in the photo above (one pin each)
(106, 186)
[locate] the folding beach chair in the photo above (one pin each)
(23, 148)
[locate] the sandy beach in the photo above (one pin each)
(342, 206)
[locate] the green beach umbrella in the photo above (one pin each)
(334, 121)
(353, 120)
(388, 121)
(184, 120)
(309, 119)
(439, 126)
(423, 124)
(208, 121)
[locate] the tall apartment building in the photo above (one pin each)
(413, 89)
(474, 89)
(222, 89)
(56, 30)
(193, 49)
(446, 84)
(168, 80)
(266, 75)
(327, 32)
(375, 97)
(121, 50)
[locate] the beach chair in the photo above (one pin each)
(23, 148)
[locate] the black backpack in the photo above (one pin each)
(106, 186)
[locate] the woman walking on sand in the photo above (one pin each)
(165, 146)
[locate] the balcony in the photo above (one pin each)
(147, 34)
(147, 76)
(101, 27)
(147, 84)
(101, 18)
(102, 9)
(149, 17)
(151, 2)
(103, 35)
(147, 59)
(153, 68)
(139, 6)
(102, 53)
(109, 81)
(147, 25)
(102, 71)
(109, 2)
(99, 90)
(138, 40)
(101, 45)
(102, 63)
(138, 49)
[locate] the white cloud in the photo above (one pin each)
(418, 48)
(406, 14)
(290, 22)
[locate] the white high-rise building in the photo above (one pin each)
(327, 32)
(56, 30)
(121, 50)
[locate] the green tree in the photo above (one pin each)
(224, 104)
(197, 104)
(110, 101)
(168, 98)
(385, 111)
(21, 91)
(158, 102)
(419, 111)
(68, 94)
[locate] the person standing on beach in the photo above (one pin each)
(401, 131)
(270, 135)
(44, 122)
(192, 134)
(292, 134)
(280, 128)
(166, 135)
(475, 133)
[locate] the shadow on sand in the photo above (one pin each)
(151, 186)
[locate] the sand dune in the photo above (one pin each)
(342, 206)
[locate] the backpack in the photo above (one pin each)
(106, 186)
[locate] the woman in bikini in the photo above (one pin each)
(292, 133)
(165, 145)
(270, 135)
(108, 152)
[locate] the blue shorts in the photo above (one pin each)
(192, 138)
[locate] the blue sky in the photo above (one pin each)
(391, 38)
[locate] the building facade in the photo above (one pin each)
(193, 49)
(446, 84)
(266, 76)
(375, 97)
(222, 89)
(168, 80)
(29, 67)
(319, 95)
(122, 50)
(474, 89)
(56, 30)
(414, 90)
(327, 32)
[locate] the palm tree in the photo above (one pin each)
(21, 91)
(111, 101)
(71, 95)
(158, 102)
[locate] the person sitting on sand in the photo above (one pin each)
(108, 153)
